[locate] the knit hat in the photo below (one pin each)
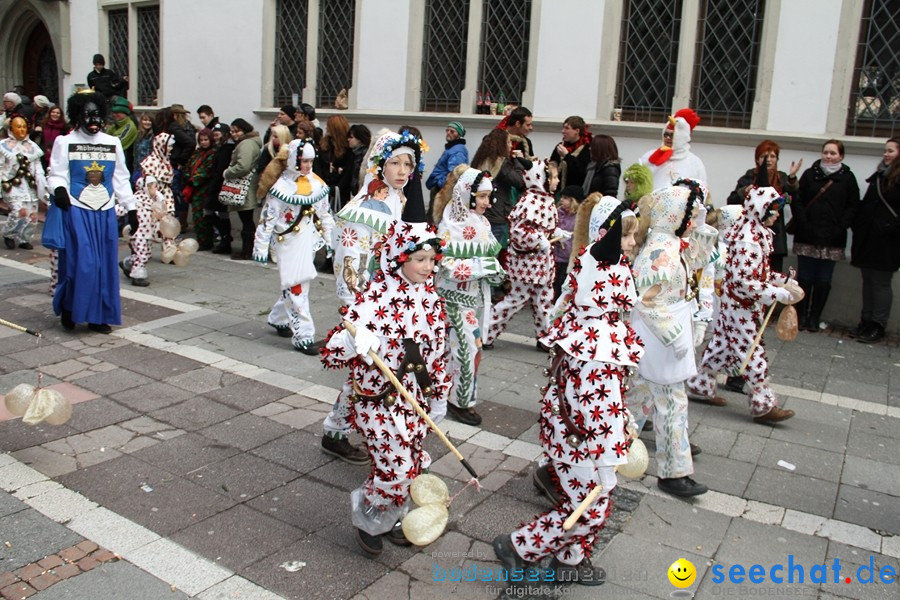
(573, 191)
(121, 105)
(41, 101)
(289, 110)
(12, 97)
(458, 127)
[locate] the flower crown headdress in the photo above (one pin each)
(386, 145)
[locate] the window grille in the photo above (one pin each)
(290, 49)
(444, 60)
(48, 74)
(875, 96)
(118, 41)
(335, 69)
(648, 59)
(148, 54)
(724, 83)
(505, 33)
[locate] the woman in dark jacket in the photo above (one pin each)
(334, 160)
(876, 244)
(358, 140)
(605, 167)
(785, 183)
(822, 212)
(493, 155)
(215, 211)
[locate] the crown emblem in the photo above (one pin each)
(94, 166)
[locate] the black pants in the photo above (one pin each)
(878, 295)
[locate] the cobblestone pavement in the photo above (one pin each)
(191, 466)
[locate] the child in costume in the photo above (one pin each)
(564, 252)
(154, 186)
(23, 183)
(679, 242)
(583, 418)
(531, 268)
(638, 183)
(469, 268)
(360, 225)
(400, 316)
(749, 287)
(296, 221)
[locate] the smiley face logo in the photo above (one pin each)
(682, 573)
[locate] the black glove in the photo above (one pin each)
(61, 198)
(133, 221)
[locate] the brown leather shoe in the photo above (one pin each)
(776, 415)
(714, 401)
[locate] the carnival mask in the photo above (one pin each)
(91, 119)
(19, 128)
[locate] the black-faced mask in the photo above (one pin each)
(91, 120)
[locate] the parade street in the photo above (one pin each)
(192, 468)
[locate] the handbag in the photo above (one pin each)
(234, 191)
(52, 235)
(791, 226)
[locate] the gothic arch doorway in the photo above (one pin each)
(39, 67)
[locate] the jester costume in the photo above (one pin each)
(23, 183)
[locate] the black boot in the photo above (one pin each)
(223, 224)
(803, 322)
(875, 333)
(862, 327)
(817, 305)
(246, 252)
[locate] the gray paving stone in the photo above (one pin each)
(713, 440)
(43, 355)
(299, 451)
(723, 474)
(305, 503)
(196, 413)
(246, 431)
(342, 475)
(331, 573)
(747, 447)
(816, 463)
(106, 384)
(98, 413)
(152, 396)
(801, 430)
(129, 355)
(180, 332)
(238, 537)
(794, 491)
(242, 477)
(679, 524)
(871, 387)
(873, 447)
(29, 536)
(167, 365)
(186, 453)
(247, 394)
(198, 381)
(496, 515)
(9, 365)
(872, 475)
(16, 435)
(868, 508)
(344, 535)
(112, 581)
(506, 420)
(121, 476)
(9, 504)
(10, 380)
(866, 423)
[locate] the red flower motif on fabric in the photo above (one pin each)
(468, 232)
(349, 237)
(462, 272)
(470, 318)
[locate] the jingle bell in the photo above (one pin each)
(547, 372)
(420, 368)
(554, 410)
(410, 367)
(16, 181)
(573, 440)
(7, 186)
(389, 401)
(296, 228)
(428, 390)
(280, 238)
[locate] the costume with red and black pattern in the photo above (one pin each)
(531, 268)
(583, 418)
(399, 313)
(749, 287)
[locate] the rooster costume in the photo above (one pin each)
(669, 163)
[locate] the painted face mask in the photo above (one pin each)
(91, 120)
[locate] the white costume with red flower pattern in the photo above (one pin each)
(24, 183)
(397, 312)
(597, 349)
(530, 264)
(468, 269)
(296, 222)
(663, 321)
(749, 286)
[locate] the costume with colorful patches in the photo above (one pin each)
(583, 417)
(530, 264)
(402, 320)
(296, 222)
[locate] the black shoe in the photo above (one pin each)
(224, 246)
(125, 269)
(542, 480)
(735, 384)
(584, 573)
(541, 347)
(284, 332)
(503, 548)
(370, 544)
(344, 450)
(309, 348)
(464, 415)
(695, 450)
(875, 333)
(26, 246)
(860, 329)
(487, 346)
(396, 535)
(327, 266)
(10, 243)
(140, 282)
(683, 487)
(66, 320)
(100, 328)
(648, 425)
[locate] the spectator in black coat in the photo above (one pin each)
(605, 168)
(105, 81)
(573, 154)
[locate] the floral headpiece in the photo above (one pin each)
(386, 145)
(405, 239)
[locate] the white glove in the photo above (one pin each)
(562, 234)
(700, 219)
(682, 345)
(365, 341)
(543, 244)
(783, 295)
(699, 332)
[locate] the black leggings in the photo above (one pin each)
(247, 223)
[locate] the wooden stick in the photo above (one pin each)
(20, 328)
(579, 510)
(412, 401)
(758, 338)
(556, 239)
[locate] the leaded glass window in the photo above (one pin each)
(875, 96)
(335, 70)
(505, 33)
(725, 66)
(148, 54)
(444, 57)
(118, 41)
(290, 49)
(648, 59)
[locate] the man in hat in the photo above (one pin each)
(673, 160)
(123, 128)
(455, 153)
(104, 81)
(284, 117)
